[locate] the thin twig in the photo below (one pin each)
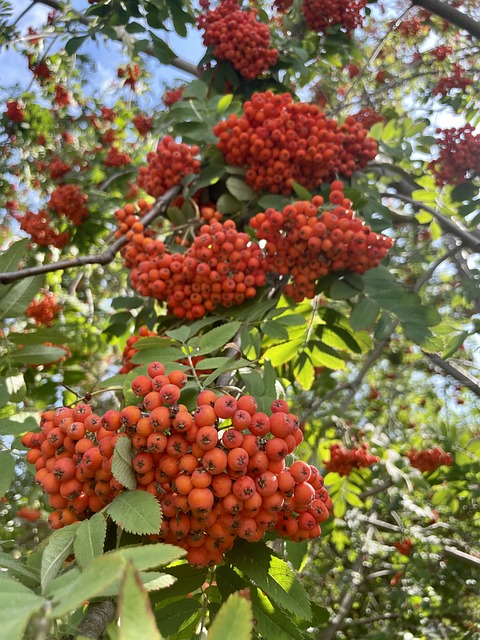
(103, 258)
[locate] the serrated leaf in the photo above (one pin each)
(181, 334)
(177, 615)
(39, 337)
(10, 258)
(17, 424)
(122, 470)
(291, 320)
(239, 189)
(93, 582)
(74, 44)
(363, 314)
(37, 354)
(232, 364)
(304, 373)
(282, 353)
(59, 547)
(187, 580)
(136, 512)
(216, 338)
(7, 471)
(26, 575)
(323, 356)
(227, 204)
(454, 344)
(134, 610)
(4, 395)
(234, 620)
(17, 605)
(149, 556)
(14, 299)
(341, 290)
(272, 575)
(274, 329)
(301, 192)
(90, 538)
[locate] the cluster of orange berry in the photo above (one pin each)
(459, 158)
(218, 472)
(404, 547)
(429, 459)
(69, 200)
(238, 36)
(321, 14)
(171, 96)
(168, 166)
(38, 226)
(343, 461)
(221, 266)
(43, 311)
(143, 124)
(129, 350)
(368, 117)
(279, 141)
(413, 27)
(58, 168)
(456, 80)
(307, 240)
(116, 158)
(14, 111)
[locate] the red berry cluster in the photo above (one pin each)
(25, 513)
(168, 166)
(222, 266)
(321, 14)
(171, 96)
(116, 158)
(413, 27)
(282, 6)
(429, 459)
(62, 96)
(441, 52)
(459, 158)
(38, 226)
(239, 37)
(280, 141)
(308, 240)
(353, 69)
(43, 311)
(143, 124)
(218, 472)
(69, 200)
(108, 114)
(343, 461)
(404, 546)
(368, 117)
(58, 168)
(40, 70)
(131, 73)
(457, 80)
(14, 111)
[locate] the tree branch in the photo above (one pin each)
(179, 63)
(456, 17)
(96, 618)
(456, 371)
(105, 257)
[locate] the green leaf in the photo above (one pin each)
(17, 605)
(230, 365)
(274, 329)
(181, 335)
(90, 538)
(224, 102)
(233, 621)
(59, 547)
(7, 471)
(122, 470)
(296, 553)
(74, 44)
(282, 353)
(10, 259)
(15, 298)
(304, 373)
(301, 192)
(149, 556)
(136, 512)
(239, 189)
(323, 356)
(161, 50)
(177, 615)
(272, 575)
(216, 338)
(26, 575)
(454, 344)
(19, 423)
(39, 337)
(227, 204)
(37, 354)
(188, 579)
(94, 581)
(4, 395)
(363, 314)
(134, 610)
(341, 290)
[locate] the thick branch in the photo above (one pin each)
(96, 618)
(451, 14)
(179, 63)
(105, 257)
(457, 372)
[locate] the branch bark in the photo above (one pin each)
(103, 258)
(178, 63)
(95, 620)
(456, 371)
(456, 17)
